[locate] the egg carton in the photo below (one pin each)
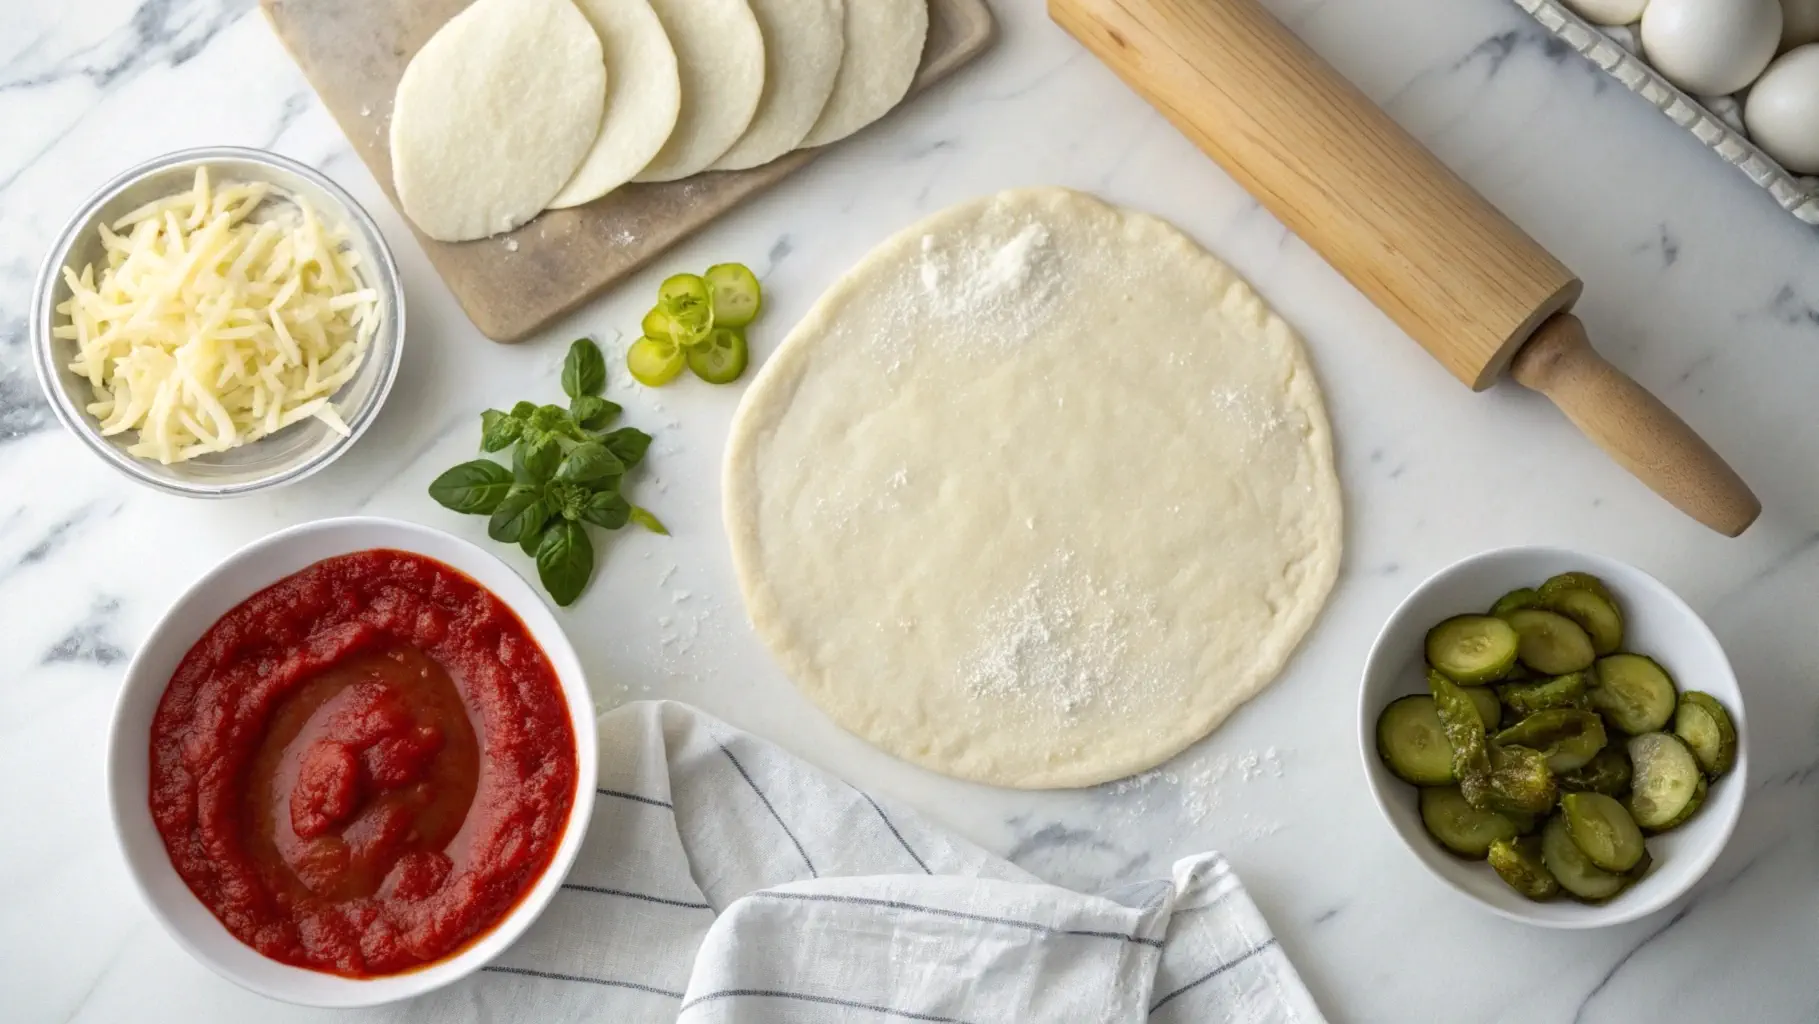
(1796, 195)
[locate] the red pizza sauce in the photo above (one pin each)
(365, 766)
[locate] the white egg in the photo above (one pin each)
(1799, 23)
(1608, 12)
(1711, 47)
(1783, 110)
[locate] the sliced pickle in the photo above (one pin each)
(1412, 742)
(1519, 781)
(1703, 724)
(1472, 649)
(1598, 616)
(1567, 691)
(1569, 738)
(1518, 862)
(1465, 734)
(1551, 643)
(1576, 581)
(1666, 786)
(1490, 711)
(735, 294)
(1516, 600)
(1634, 693)
(1602, 830)
(1460, 827)
(1608, 772)
(1569, 865)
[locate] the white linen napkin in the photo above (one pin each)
(723, 880)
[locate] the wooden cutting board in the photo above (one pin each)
(354, 51)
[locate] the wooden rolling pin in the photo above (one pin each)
(1475, 290)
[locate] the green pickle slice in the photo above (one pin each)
(1575, 872)
(1608, 772)
(1567, 691)
(736, 296)
(1634, 693)
(1465, 734)
(1567, 737)
(1703, 725)
(722, 358)
(1472, 649)
(1516, 600)
(1551, 643)
(660, 326)
(1576, 581)
(1519, 863)
(1666, 786)
(1602, 830)
(1412, 742)
(1460, 827)
(653, 362)
(1489, 710)
(1519, 781)
(685, 299)
(1596, 615)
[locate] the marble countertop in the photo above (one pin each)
(1696, 284)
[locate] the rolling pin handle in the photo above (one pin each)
(1633, 426)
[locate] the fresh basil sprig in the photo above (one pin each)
(566, 472)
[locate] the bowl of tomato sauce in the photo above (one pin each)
(352, 763)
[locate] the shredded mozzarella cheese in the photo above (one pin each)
(208, 330)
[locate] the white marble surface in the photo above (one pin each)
(1697, 284)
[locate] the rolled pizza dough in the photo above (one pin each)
(1036, 495)
(494, 114)
(803, 43)
(720, 56)
(884, 41)
(641, 106)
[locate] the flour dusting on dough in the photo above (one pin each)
(999, 285)
(1060, 647)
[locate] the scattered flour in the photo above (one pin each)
(1260, 418)
(1000, 286)
(1200, 790)
(1053, 648)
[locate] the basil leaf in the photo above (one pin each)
(629, 444)
(592, 412)
(473, 488)
(549, 418)
(522, 512)
(589, 462)
(607, 509)
(534, 462)
(523, 410)
(499, 430)
(584, 371)
(566, 499)
(565, 560)
(650, 522)
(530, 542)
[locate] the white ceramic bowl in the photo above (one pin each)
(1657, 623)
(244, 573)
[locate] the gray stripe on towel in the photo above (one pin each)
(861, 901)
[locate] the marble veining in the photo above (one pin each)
(1696, 283)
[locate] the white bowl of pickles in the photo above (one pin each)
(1556, 735)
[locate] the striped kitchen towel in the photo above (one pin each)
(724, 880)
